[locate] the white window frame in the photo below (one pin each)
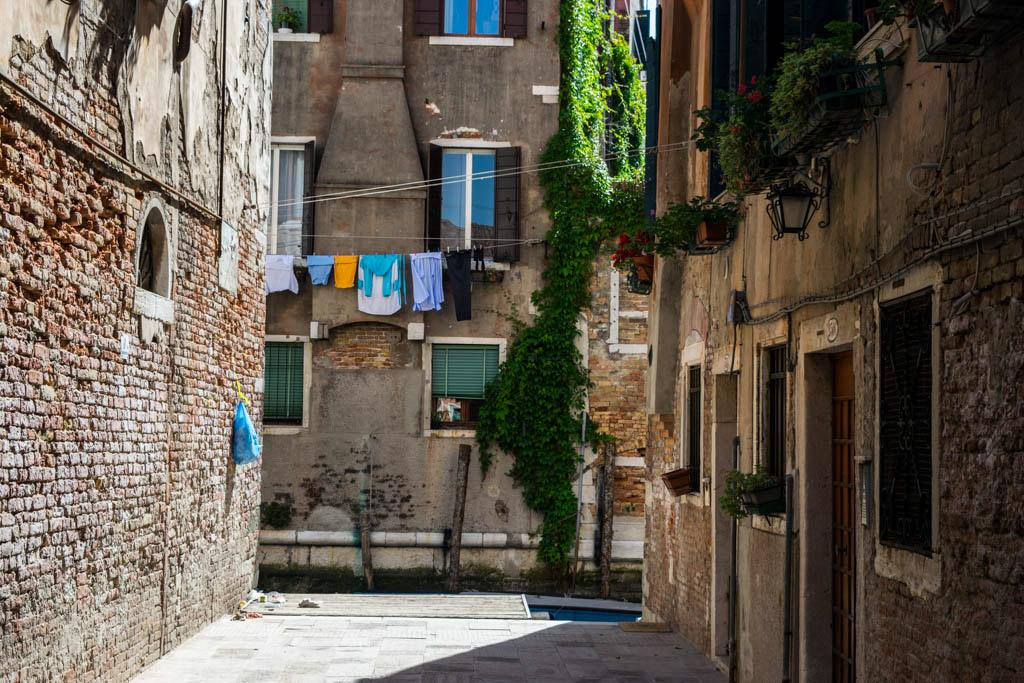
(307, 382)
(428, 352)
(469, 153)
(277, 144)
(692, 356)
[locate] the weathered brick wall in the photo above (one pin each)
(366, 345)
(124, 525)
(971, 629)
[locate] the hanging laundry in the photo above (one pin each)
(345, 271)
(320, 269)
(459, 266)
(380, 283)
(427, 290)
(281, 274)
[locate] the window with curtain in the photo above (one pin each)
(467, 198)
(472, 17)
(283, 382)
(459, 374)
(289, 186)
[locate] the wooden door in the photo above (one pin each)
(844, 503)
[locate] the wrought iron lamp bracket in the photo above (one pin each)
(820, 181)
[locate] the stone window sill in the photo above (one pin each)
(451, 433)
(282, 430)
(477, 41)
(154, 306)
(296, 37)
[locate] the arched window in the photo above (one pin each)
(153, 255)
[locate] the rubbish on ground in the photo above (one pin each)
(309, 603)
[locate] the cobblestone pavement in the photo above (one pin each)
(343, 649)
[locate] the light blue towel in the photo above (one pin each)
(427, 291)
(320, 268)
(381, 265)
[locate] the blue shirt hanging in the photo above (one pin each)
(320, 269)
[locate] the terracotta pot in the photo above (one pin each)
(644, 266)
(680, 481)
(712, 234)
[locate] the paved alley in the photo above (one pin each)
(402, 650)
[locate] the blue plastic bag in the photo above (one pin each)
(245, 442)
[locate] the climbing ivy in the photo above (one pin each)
(532, 408)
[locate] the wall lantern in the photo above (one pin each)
(791, 205)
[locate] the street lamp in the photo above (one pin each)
(791, 205)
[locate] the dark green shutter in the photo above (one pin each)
(282, 381)
(462, 370)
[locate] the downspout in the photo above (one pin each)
(732, 575)
(223, 104)
(787, 597)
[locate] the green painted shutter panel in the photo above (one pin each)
(462, 370)
(282, 381)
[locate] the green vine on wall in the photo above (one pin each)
(532, 408)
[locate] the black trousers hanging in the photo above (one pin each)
(459, 268)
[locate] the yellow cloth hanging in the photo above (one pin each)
(345, 271)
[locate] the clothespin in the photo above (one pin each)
(242, 397)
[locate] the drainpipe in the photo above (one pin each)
(787, 614)
(732, 575)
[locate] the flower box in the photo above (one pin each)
(964, 35)
(713, 234)
(681, 481)
(643, 266)
(767, 499)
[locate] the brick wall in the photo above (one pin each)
(366, 345)
(124, 525)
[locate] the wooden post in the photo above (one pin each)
(461, 480)
(607, 517)
(364, 542)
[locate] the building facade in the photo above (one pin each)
(875, 365)
(134, 146)
(409, 127)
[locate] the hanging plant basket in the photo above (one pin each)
(766, 499)
(848, 94)
(964, 35)
(635, 284)
(681, 481)
(643, 266)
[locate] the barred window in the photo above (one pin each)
(693, 424)
(905, 423)
(775, 412)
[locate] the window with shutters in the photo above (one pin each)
(905, 423)
(470, 18)
(314, 16)
(693, 424)
(459, 374)
(474, 201)
(283, 382)
(768, 26)
(291, 223)
(774, 432)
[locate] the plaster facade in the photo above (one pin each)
(954, 128)
(125, 527)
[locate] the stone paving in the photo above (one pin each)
(403, 650)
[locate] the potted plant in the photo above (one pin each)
(697, 224)
(634, 255)
(755, 493)
(287, 20)
(680, 481)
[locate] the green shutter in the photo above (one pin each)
(462, 370)
(300, 7)
(282, 381)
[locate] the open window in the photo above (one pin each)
(153, 270)
(459, 375)
(471, 18)
(291, 218)
(304, 16)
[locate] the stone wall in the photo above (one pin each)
(124, 524)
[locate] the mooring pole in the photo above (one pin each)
(461, 480)
(607, 517)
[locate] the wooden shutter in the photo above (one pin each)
(462, 370)
(905, 423)
(506, 204)
(514, 23)
(309, 208)
(427, 17)
(321, 16)
(435, 159)
(282, 385)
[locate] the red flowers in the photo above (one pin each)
(755, 96)
(630, 247)
(742, 90)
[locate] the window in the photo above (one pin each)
(476, 202)
(459, 373)
(291, 222)
(775, 411)
(905, 423)
(472, 17)
(153, 260)
(283, 382)
(476, 18)
(314, 16)
(693, 424)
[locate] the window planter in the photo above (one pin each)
(943, 37)
(713, 234)
(681, 481)
(777, 169)
(846, 94)
(767, 499)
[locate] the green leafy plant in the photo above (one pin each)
(738, 132)
(675, 230)
(627, 106)
(736, 484)
(799, 76)
(923, 10)
(532, 409)
(287, 17)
